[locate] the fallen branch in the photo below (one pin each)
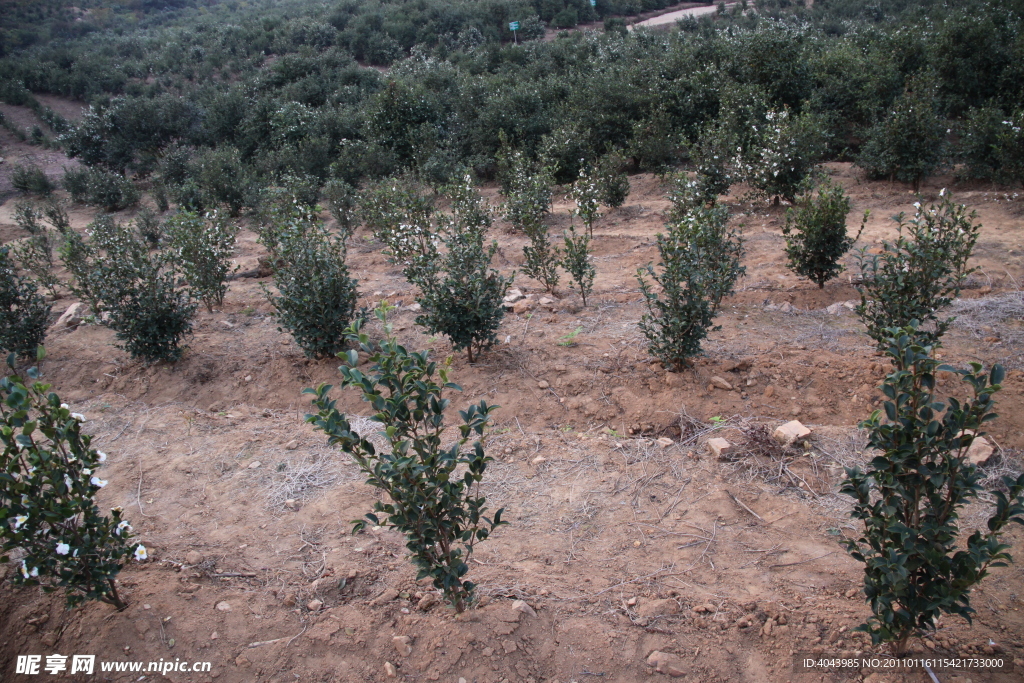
(258, 643)
(793, 564)
(743, 505)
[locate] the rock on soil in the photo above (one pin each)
(790, 432)
(666, 663)
(719, 447)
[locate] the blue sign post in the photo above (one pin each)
(593, 3)
(514, 26)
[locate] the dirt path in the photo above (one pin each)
(672, 17)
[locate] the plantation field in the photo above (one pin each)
(626, 535)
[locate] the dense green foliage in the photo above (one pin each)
(31, 179)
(815, 231)
(23, 311)
(149, 311)
(214, 103)
(920, 273)
(912, 494)
(461, 293)
(99, 187)
(47, 483)
(200, 247)
(316, 298)
(438, 509)
(698, 266)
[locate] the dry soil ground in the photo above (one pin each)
(626, 537)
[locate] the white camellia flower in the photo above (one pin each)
(101, 456)
(63, 548)
(123, 527)
(29, 574)
(19, 521)
(86, 471)
(65, 406)
(140, 553)
(79, 417)
(67, 481)
(96, 481)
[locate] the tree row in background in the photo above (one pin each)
(203, 112)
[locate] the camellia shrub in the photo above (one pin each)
(200, 247)
(432, 483)
(98, 187)
(49, 476)
(35, 253)
(316, 297)
(920, 273)
(586, 192)
(612, 181)
(816, 236)
(31, 179)
(461, 294)
(149, 311)
(909, 144)
(24, 314)
(911, 496)
(699, 265)
(577, 262)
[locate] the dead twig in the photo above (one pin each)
(743, 505)
(793, 564)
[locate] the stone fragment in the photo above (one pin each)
(427, 601)
(546, 301)
(523, 306)
(389, 670)
(667, 663)
(291, 445)
(415, 308)
(513, 296)
(543, 384)
(72, 317)
(791, 431)
(721, 383)
(387, 596)
(769, 391)
(314, 605)
(509, 646)
(658, 608)
(524, 607)
(665, 442)
(980, 451)
(255, 465)
(403, 644)
(223, 606)
(194, 557)
(719, 447)
(736, 366)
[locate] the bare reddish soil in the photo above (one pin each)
(623, 545)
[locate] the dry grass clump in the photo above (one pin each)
(1000, 316)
